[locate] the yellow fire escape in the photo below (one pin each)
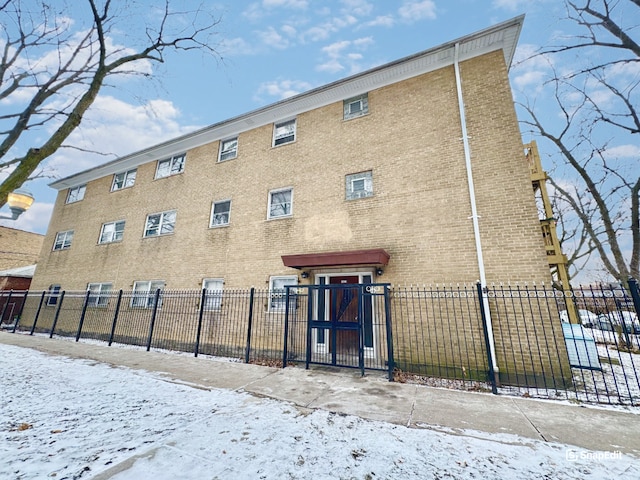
(557, 260)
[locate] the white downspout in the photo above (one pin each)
(474, 211)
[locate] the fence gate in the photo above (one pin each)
(346, 325)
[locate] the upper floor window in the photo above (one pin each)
(213, 294)
(356, 106)
(76, 194)
(124, 180)
(220, 213)
(111, 232)
(359, 185)
(280, 203)
(144, 294)
(228, 149)
(98, 294)
(160, 224)
(170, 166)
(278, 292)
(63, 240)
(284, 132)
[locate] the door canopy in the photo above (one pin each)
(376, 257)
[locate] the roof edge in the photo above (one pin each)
(502, 36)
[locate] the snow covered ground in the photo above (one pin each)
(69, 419)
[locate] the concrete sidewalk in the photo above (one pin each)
(374, 397)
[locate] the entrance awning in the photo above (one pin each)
(376, 256)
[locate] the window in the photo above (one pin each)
(278, 294)
(213, 294)
(356, 106)
(284, 132)
(112, 232)
(359, 185)
(160, 224)
(220, 213)
(76, 194)
(280, 203)
(99, 294)
(228, 149)
(63, 240)
(144, 294)
(171, 166)
(53, 295)
(124, 180)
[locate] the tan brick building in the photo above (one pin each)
(19, 248)
(372, 162)
(384, 176)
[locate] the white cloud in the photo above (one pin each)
(382, 21)
(413, 11)
(359, 8)
(296, 4)
(342, 57)
(511, 5)
(114, 128)
(623, 151)
(236, 46)
(282, 89)
(271, 38)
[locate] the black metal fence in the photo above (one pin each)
(505, 339)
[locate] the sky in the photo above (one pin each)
(268, 50)
(77, 418)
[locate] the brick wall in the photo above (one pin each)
(18, 248)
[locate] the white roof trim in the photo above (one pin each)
(503, 36)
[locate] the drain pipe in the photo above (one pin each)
(474, 211)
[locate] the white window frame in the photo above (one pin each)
(76, 194)
(175, 166)
(217, 219)
(225, 154)
(99, 294)
(127, 181)
(367, 180)
(115, 235)
(63, 240)
(163, 224)
(270, 214)
(363, 100)
(283, 135)
(277, 292)
(144, 293)
(213, 296)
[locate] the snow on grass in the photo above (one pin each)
(67, 419)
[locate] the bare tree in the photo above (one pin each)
(52, 70)
(594, 131)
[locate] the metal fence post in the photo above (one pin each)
(485, 331)
(115, 318)
(203, 297)
(84, 312)
(247, 351)
(19, 316)
(35, 320)
(55, 318)
(387, 317)
(153, 318)
(286, 327)
(6, 305)
(635, 293)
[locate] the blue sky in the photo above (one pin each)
(272, 49)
